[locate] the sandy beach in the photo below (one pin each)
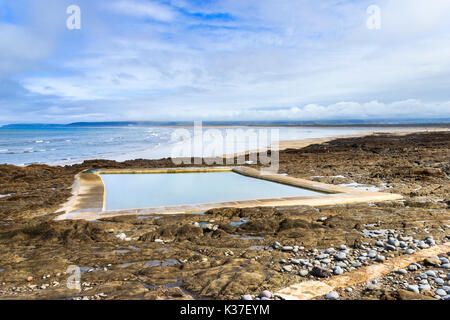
(252, 249)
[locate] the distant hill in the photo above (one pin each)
(355, 123)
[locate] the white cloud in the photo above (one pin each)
(143, 9)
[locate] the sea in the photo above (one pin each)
(65, 145)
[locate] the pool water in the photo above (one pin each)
(132, 191)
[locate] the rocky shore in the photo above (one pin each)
(238, 253)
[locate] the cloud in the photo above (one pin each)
(143, 9)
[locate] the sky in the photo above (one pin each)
(223, 60)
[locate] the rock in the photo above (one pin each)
(380, 258)
(349, 289)
(423, 245)
(412, 267)
(303, 273)
(444, 260)
(159, 240)
(340, 256)
(439, 281)
(283, 261)
(295, 261)
(379, 243)
(322, 256)
(413, 288)
(390, 247)
(440, 292)
(372, 254)
(401, 271)
(408, 295)
(430, 273)
(330, 250)
(30, 278)
(342, 247)
(394, 242)
(287, 248)
(356, 265)
(409, 251)
(247, 297)
(320, 272)
(121, 236)
(276, 245)
(287, 268)
(266, 294)
(333, 295)
(446, 266)
(424, 287)
(432, 261)
(338, 270)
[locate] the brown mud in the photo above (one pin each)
(171, 257)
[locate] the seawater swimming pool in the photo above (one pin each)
(129, 191)
(104, 193)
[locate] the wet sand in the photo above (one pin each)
(182, 257)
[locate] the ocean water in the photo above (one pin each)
(68, 145)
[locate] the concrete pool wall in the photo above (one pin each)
(89, 194)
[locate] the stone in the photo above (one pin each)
(287, 268)
(287, 248)
(295, 261)
(380, 258)
(333, 295)
(342, 247)
(390, 247)
(276, 245)
(322, 256)
(409, 251)
(30, 278)
(401, 271)
(320, 272)
(394, 242)
(412, 267)
(446, 266)
(430, 273)
(432, 261)
(408, 295)
(247, 297)
(349, 289)
(413, 288)
(340, 256)
(338, 270)
(330, 250)
(266, 294)
(303, 273)
(424, 287)
(439, 281)
(357, 265)
(379, 243)
(440, 292)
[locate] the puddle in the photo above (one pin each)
(247, 237)
(165, 263)
(356, 185)
(126, 265)
(238, 223)
(121, 251)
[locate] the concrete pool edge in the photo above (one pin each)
(89, 194)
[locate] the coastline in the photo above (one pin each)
(178, 257)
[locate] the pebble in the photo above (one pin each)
(303, 273)
(287, 268)
(430, 273)
(330, 250)
(340, 256)
(247, 297)
(390, 247)
(266, 294)
(349, 289)
(342, 247)
(338, 270)
(439, 281)
(401, 271)
(409, 251)
(287, 248)
(446, 266)
(440, 292)
(424, 287)
(356, 264)
(276, 245)
(394, 242)
(412, 267)
(379, 243)
(380, 258)
(322, 256)
(413, 288)
(295, 261)
(333, 295)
